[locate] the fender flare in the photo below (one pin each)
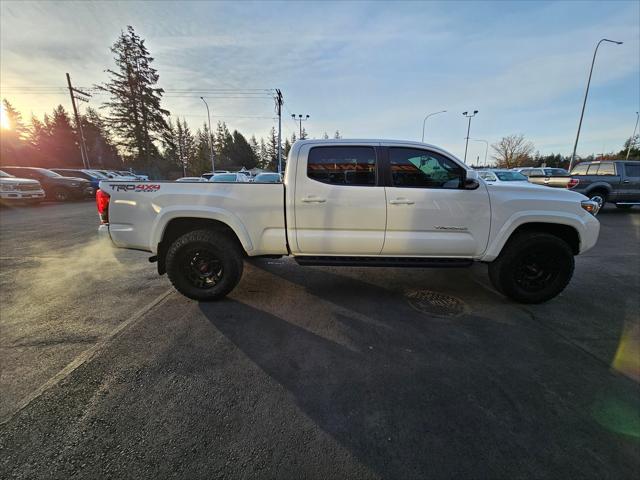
(209, 213)
(598, 186)
(497, 243)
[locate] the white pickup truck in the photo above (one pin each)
(355, 203)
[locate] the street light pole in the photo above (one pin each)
(300, 119)
(213, 170)
(425, 121)
(631, 140)
(486, 148)
(586, 93)
(466, 146)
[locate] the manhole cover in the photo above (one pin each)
(434, 303)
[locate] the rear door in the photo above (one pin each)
(630, 185)
(340, 206)
(428, 213)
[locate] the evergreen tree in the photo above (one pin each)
(241, 153)
(135, 113)
(12, 142)
(325, 136)
(264, 155)
(303, 135)
(202, 160)
(337, 135)
(256, 149)
(62, 140)
(101, 149)
(272, 151)
(286, 148)
(223, 146)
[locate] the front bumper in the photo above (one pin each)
(590, 233)
(22, 195)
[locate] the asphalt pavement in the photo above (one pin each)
(310, 372)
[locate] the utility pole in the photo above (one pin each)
(83, 146)
(468, 130)
(633, 137)
(279, 103)
(584, 102)
(425, 121)
(213, 155)
(301, 118)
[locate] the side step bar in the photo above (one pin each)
(383, 262)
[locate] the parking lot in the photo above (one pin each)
(310, 372)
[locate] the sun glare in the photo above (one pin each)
(4, 118)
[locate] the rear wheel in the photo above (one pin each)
(61, 194)
(598, 196)
(532, 267)
(204, 264)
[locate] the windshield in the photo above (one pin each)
(47, 173)
(5, 174)
(267, 177)
(224, 177)
(511, 176)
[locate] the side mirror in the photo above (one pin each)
(470, 180)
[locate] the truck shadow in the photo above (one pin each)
(413, 396)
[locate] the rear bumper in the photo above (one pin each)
(104, 237)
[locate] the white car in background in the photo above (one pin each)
(113, 175)
(268, 177)
(503, 177)
(14, 189)
(192, 179)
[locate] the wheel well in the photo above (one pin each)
(564, 232)
(179, 226)
(599, 189)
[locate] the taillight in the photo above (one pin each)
(573, 182)
(102, 202)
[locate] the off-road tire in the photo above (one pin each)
(187, 250)
(532, 267)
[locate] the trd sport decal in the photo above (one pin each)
(140, 188)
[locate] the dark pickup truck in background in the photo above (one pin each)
(614, 181)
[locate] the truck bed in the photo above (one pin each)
(139, 212)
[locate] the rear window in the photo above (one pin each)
(593, 169)
(580, 169)
(347, 165)
(632, 169)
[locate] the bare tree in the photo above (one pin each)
(512, 151)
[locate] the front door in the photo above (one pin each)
(630, 186)
(340, 206)
(428, 213)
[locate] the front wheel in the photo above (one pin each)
(599, 197)
(532, 267)
(204, 264)
(61, 195)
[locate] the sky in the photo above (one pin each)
(368, 69)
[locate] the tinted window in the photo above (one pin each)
(580, 170)
(632, 169)
(343, 165)
(555, 172)
(411, 167)
(488, 176)
(606, 169)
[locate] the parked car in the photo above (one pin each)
(113, 175)
(208, 175)
(549, 177)
(192, 179)
(501, 176)
(126, 173)
(92, 176)
(267, 177)
(56, 186)
(229, 178)
(19, 190)
(615, 181)
(341, 206)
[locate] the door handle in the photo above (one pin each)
(312, 199)
(625, 181)
(401, 201)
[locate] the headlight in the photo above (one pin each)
(590, 206)
(8, 188)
